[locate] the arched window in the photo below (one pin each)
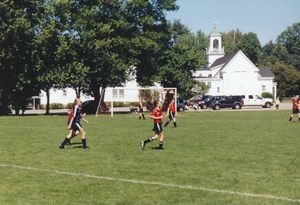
(216, 43)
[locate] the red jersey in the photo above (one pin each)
(70, 112)
(171, 107)
(156, 113)
(295, 103)
(141, 105)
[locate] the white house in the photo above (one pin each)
(233, 74)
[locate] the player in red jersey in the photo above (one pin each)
(157, 116)
(141, 109)
(295, 108)
(171, 113)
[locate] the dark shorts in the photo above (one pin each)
(69, 121)
(76, 126)
(295, 110)
(141, 110)
(171, 115)
(157, 128)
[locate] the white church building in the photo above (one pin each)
(233, 74)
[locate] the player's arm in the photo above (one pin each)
(168, 111)
(70, 124)
(84, 120)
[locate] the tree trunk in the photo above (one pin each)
(48, 100)
(96, 89)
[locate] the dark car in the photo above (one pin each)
(204, 104)
(234, 101)
(5, 111)
(180, 104)
(89, 107)
(197, 99)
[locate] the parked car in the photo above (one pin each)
(180, 104)
(204, 104)
(198, 99)
(257, 100)
(234, 101)
(5, 111)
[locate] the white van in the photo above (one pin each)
(257, 100)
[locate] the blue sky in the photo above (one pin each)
(266, 18)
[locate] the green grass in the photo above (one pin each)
(241, 151)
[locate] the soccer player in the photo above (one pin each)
(73, 133)
(157, 117)
(75, 125)
(171, 112)
(295, 108)
(141, 109)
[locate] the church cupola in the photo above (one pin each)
(215, 49)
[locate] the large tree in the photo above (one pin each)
(113, 35)
(17, 74)
(250, 45)
(288, 79)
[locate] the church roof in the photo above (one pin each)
(224, 60)
(266, 72)
(215, 32)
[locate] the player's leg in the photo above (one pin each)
(169, 120)
(291, 117)
(161, 140)
(62, 145)
(83, 138)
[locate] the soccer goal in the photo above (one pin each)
(129, 95)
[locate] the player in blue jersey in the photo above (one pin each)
(75, 125)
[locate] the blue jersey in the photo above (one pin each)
(76, 114)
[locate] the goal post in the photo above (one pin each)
(113, 95)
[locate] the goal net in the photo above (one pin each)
(128, 96)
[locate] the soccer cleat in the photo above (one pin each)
(61, 147)
(86, 148)
(160, 148)
(143, 145)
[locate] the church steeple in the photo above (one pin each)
(215, 49)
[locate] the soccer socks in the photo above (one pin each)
(140, 117)
(175, 125)
(166, 124)
(148, 140)
(84, 143)
(64, 143)
(299, 119)
(290, 119)
(144, 117)
(161, 144)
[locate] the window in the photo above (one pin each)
(115, 93)
(121, 93)
(65, 93)
(218, 89)
(250, 96)
(210, 75)
(263, 88)
(209, 84)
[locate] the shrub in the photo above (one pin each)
(69, 105)
(267, 95)
(56, 106)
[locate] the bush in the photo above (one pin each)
(69, 105)
(56, 106)
(267, 95)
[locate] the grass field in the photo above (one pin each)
(239, 157)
